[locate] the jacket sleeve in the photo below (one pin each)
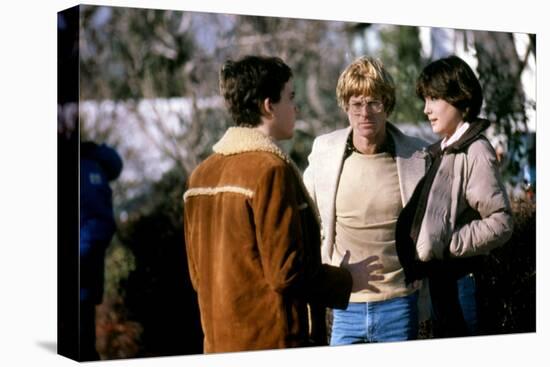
(193, 273)
(308, 176)
(486, 194)
(289, 263)
(278, 231)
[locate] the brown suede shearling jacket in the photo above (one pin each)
(253, 245)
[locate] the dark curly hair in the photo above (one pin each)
(452, 80)
(246, 83)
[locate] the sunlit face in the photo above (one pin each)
(284, 114)
(367, 116)
(444, 117)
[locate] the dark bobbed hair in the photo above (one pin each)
(246, 83)
(452, 80)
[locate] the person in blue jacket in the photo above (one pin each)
(99, 164)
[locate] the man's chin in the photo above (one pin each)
(366, 131)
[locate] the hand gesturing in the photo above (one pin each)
(362, 272)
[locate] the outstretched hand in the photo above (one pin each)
(362, 272)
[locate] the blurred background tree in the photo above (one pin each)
(158, 292)
(149, 87)
(134, 53)
(405, 62)
(500, 69)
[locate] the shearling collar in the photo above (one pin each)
(245, 139)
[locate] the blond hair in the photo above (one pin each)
(366, 76)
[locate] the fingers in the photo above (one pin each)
(369, 259)
(370, 277)
(371, 268)
(345, 259)
(374, 277)
(372, 288)
(364, 270)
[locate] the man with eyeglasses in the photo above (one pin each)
(361, 177)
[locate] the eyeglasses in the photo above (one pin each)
(373, 106)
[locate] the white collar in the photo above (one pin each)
(239, 139)
(456, 135)
(245, 139)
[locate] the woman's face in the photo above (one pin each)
(284, 113)
(443, 116)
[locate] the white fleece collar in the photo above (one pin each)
(245, 139)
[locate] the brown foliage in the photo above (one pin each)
(117, 337)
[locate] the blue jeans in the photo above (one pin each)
(467, 298)
(454, 306)
(392, 320)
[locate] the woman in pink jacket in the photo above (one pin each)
(460, 209)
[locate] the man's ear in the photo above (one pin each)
(267, 108)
